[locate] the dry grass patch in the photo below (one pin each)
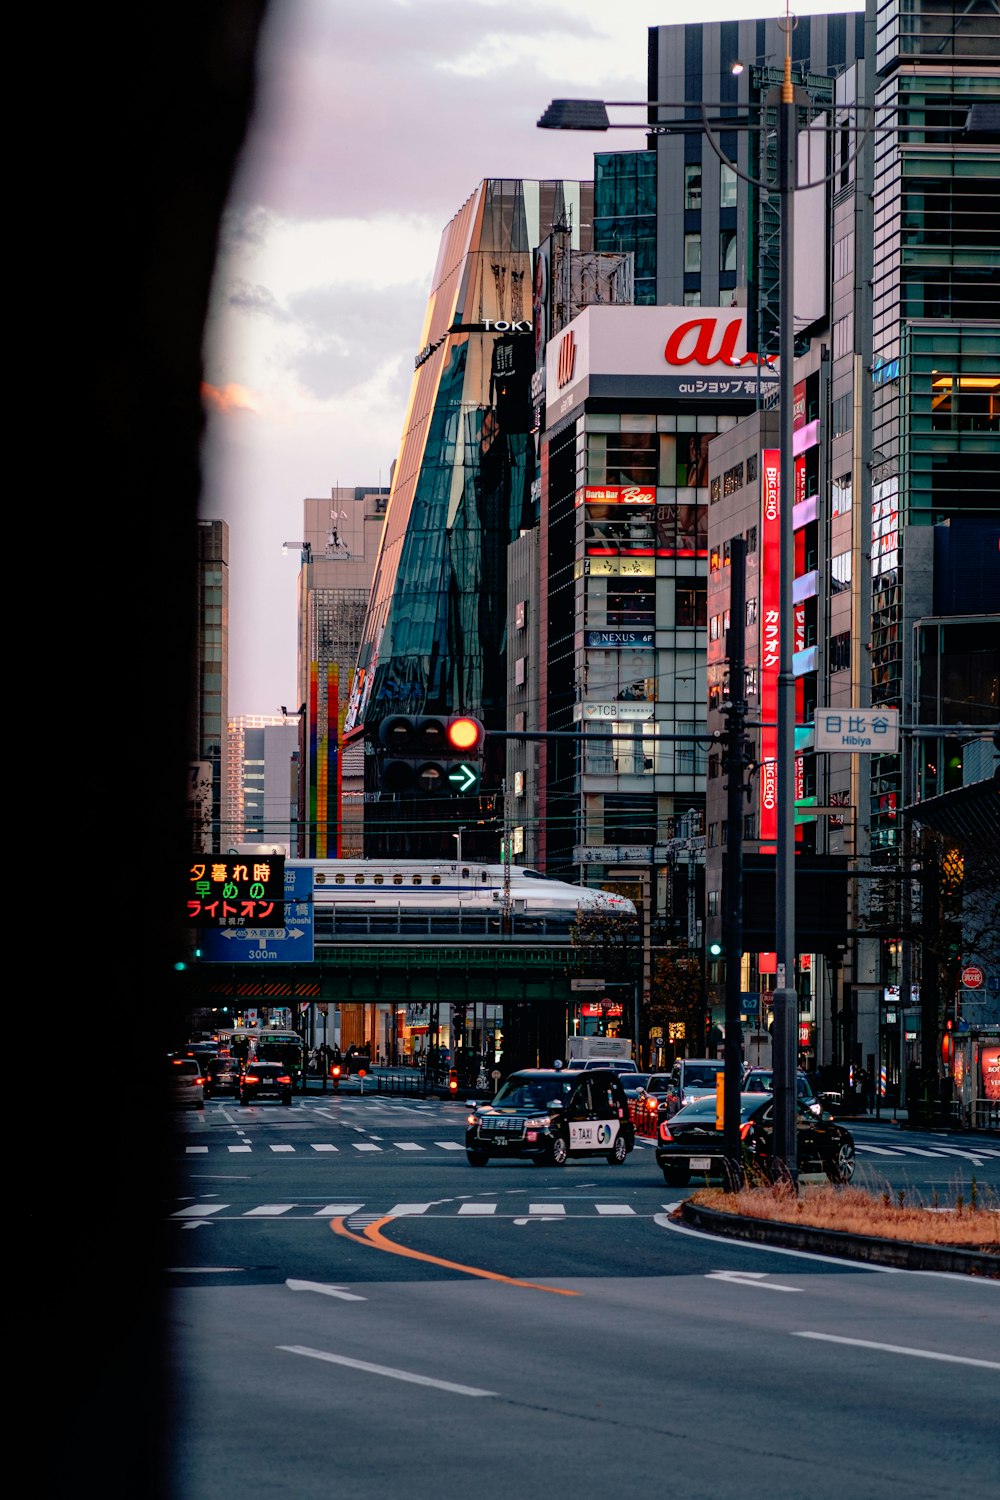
(966, 1221)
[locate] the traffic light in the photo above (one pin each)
(427, 755)
(715, 950)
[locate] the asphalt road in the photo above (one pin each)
(353, 1309)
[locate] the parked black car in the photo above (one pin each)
(546, 1115)
(689, 1145)
(265, 1080)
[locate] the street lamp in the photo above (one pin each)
(592, 114)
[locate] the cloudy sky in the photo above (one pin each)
(375, 121)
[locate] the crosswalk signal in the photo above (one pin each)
(427, 755)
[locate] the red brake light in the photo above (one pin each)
(665, 1131)
(335, 1071)
(745, 1129)
(284, 1078)
(251, 1078)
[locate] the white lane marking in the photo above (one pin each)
(338, 1210)
(951, 1359)
(196, 1150)
(327, 1291)
(199, 1211)
(364, 1146)
(450, 1145)
(268, 1210)
(750, 1278)
(408, 1146)
(282, 1148)
(324, 1147)
(245, 1149)
(917, 1151)
(876, 1150)
(478, 1208)
(614, 1208)
(546, 1208)
(361, 1364)
(973, 1156)
(404, 1210)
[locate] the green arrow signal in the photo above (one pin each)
(464, 776)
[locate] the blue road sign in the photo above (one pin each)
(291, 944)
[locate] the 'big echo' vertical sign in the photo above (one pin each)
(770, 639)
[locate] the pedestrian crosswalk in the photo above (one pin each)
(547, 1211)
(973, 1152)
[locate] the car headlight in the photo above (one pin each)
(540, 1122)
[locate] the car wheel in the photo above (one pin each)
(841, 1168)
(676, 1177)
(558, 1151)
(618, 1151)
(477, 1158)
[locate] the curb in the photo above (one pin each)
(901, 1254)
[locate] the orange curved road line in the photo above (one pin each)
(373, 1236)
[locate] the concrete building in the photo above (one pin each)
(211, 688)
(340, 541)
(263, 782)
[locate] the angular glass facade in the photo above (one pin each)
(435, 634)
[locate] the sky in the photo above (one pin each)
(375, 121)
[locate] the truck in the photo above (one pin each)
(605, 1048)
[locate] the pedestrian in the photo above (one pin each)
(865, 1082)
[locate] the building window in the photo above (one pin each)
(727, 186)
(751, 468)
(520, 669)
(751, 540)
(843, 336)
(840, 652)
(727, 250)
(691, 601)
(715, 491)
(378, 879)
(752, 610)
(692, 252)
(630, 818)
(732, 480)
(713, 903)
(840, 573)
(842, 494)
(692, 185)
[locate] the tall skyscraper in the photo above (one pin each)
(435, 638)
(210, 696)
(340, 541)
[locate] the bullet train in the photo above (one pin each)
(356, 887)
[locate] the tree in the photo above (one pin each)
(677, 994)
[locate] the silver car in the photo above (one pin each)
(185, 1084)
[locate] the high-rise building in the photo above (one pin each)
(262, 782)
(896, 536)
(435, 638)
(340, 541)
(209, 698)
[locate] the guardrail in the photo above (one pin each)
(986, 1115)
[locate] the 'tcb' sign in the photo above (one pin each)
(236, 890)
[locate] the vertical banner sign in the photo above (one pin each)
(312, 807)
(770, 635)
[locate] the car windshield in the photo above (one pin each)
(701, 1074)
(531, 1093)
(704, 1109)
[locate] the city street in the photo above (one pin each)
(354, 1308)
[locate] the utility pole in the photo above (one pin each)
(735, 760)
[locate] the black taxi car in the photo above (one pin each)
(547, 1115)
